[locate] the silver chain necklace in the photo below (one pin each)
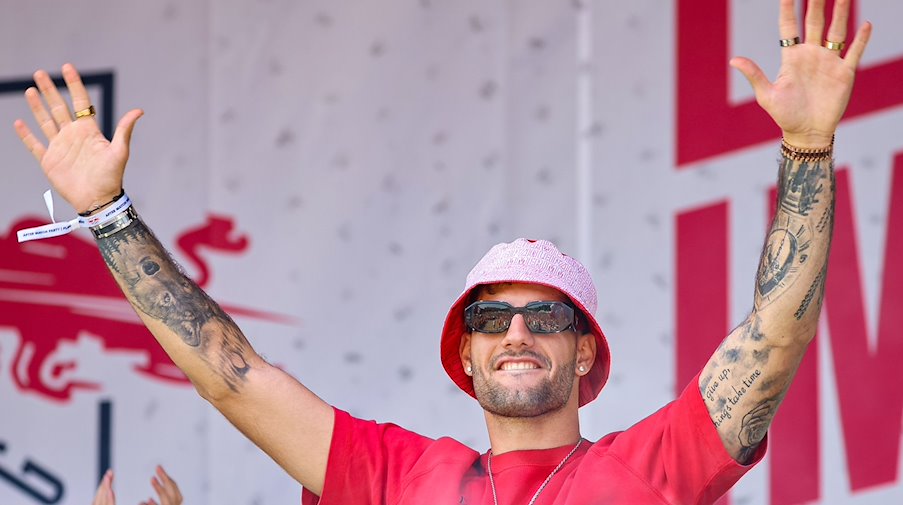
(495, 499)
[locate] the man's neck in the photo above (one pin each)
(554, 429)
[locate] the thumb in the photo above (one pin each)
(123, 134)
(753, 74)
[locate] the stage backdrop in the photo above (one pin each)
(330, 171)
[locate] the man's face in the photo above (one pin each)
(519, 373)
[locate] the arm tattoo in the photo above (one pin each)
(814, 289)
(753, 428)
(156, 286)
(802, 229)
(750, 372)
(740, 386)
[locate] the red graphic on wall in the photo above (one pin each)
(703, 80)
(58, 292)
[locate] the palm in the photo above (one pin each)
(81, 164)
(79, 161)
(812, 89)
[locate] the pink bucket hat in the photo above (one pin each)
(529, 262)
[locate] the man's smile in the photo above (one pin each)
(518, 365)
(521, 363)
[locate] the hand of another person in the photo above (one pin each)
(812, 89)
(81, 164)
(166, 488)
(104, 495)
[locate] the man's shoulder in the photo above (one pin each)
(403, 438)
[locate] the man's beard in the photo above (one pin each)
(550, 395)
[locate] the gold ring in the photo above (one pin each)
(790, 42)
(835, 46)
(85, 112)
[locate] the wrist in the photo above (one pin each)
(794, 152)
(810, 140)
(98, 207)
(116, 223)
(104, 223)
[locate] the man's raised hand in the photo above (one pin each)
(812, 89)
(81, 164)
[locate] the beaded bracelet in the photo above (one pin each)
(807, 154)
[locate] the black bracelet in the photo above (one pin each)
(95, 209)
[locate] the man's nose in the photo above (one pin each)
(518, 334)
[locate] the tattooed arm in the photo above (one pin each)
(271, 408)
(275, 411)
(747, 377)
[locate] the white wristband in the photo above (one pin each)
(55, 229)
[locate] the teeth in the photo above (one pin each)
(518, 365)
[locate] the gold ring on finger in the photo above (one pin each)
(835, 46)
(790, 42)
(89, 112)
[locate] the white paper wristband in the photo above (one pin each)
(55, 229)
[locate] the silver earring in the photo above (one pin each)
(582, 369)
(468, 370)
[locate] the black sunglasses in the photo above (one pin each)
(540, 317)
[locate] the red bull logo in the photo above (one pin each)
(58, 296)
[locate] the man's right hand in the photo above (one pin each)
(275, 411)
(81, 164)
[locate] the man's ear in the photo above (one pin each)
(586, 352)
(464, 351)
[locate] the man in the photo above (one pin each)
(522, 338)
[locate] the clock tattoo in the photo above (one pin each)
(786, 250)
(802, 212)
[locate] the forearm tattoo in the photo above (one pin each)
(156, 286)
(744, 383)
(801, 231)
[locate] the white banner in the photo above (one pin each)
(330, 171)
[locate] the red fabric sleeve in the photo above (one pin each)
(367, 462)
(679, 452)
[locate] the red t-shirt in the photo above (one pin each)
(674, 457)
